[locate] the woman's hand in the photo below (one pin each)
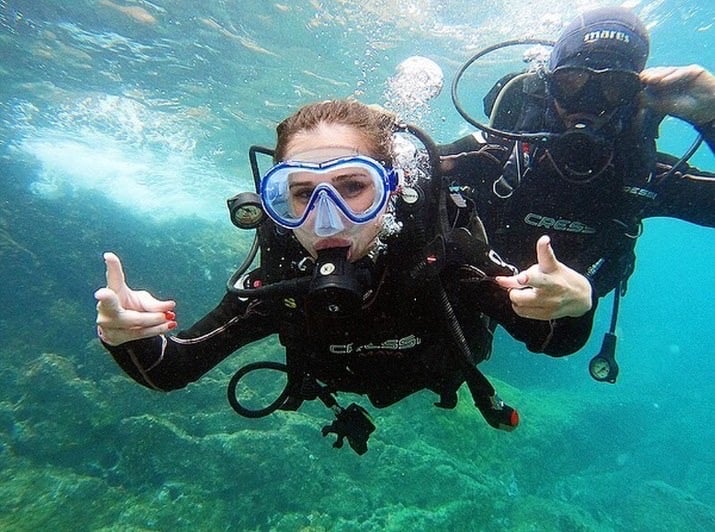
(124, 314)
(548, 289)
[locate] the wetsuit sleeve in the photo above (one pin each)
(462, 145)
(708, 133)
(687, 193)
(472, 156)
(168, 363)
(556, 338)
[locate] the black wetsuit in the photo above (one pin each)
(593, 226)
(398, 343)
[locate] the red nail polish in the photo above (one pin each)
(170, 315)
(172, 325)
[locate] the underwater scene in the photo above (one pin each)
(125, 126)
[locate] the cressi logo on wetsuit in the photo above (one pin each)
(560, 224)
(393, 344)
(642, 192)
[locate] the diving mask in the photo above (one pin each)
(580, 89)
(355, 188)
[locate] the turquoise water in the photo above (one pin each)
(125, 126)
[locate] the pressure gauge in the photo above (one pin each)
(246, 210)
(603, 367)
(600, 368)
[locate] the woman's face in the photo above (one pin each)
(327, 142)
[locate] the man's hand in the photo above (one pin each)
(548, 289)
(686, 92)
(124, 314)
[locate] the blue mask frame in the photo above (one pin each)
(274, 190)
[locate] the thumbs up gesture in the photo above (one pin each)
(548, 289)
(124, 314)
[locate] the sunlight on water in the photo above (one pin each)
(140, 158)
(151, 183)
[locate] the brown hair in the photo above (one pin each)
(376, 125)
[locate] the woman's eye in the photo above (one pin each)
(350, 189)
(301, 195)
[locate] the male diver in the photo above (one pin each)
(569, 159)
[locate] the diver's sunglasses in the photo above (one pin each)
(587, 89)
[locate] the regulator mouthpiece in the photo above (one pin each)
(335, 290)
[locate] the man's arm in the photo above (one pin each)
(473, 155)
(554, 337)
(685, 193)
